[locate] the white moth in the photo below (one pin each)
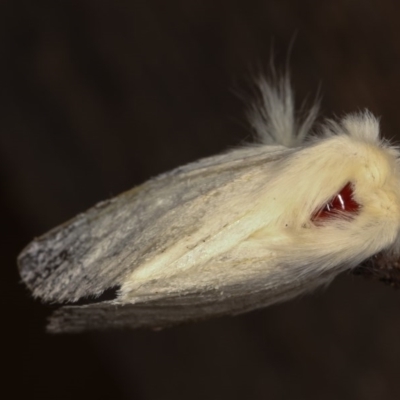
(229, 233)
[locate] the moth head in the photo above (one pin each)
(341, 205)
(364, 171)
(341, 193)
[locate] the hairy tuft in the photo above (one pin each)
(273, 116)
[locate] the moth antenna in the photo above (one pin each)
(273, 116)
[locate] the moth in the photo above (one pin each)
(231, 233)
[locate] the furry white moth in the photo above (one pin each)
(229, 233)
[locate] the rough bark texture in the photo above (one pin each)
(381, 268)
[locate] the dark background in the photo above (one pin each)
(98, 96)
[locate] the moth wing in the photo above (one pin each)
(271, 286)
(100, 248)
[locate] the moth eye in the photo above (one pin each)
(341, 202)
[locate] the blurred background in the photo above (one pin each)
(99, 96)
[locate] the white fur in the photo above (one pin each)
(229, 233)
(277, 230)
(273, 115)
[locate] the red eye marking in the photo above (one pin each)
(343, 201)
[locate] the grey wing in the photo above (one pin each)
(180, 307)
(98, 249)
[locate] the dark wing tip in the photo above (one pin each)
(45, 263)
